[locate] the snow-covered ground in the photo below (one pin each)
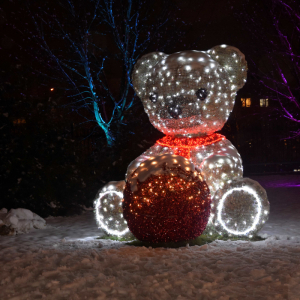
(66, 261)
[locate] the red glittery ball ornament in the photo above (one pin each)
(166, 200)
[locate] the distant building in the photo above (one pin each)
(262, 135)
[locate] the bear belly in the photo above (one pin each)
(218, 162)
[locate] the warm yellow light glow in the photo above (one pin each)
(264, 102)
(246, 102)
(19, 121)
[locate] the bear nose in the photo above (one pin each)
(174, 110)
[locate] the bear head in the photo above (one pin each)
(190, 93)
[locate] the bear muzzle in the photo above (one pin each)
(174, 110)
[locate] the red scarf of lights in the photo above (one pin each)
(183, 146)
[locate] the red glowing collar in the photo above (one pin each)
(182, 146)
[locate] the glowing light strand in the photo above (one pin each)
(100, 217)
(182, 146)
(256, 218)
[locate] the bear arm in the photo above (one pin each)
(222, 167)
(152, 151)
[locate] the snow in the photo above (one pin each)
(21, 220)
(154, 166)
(67, 261)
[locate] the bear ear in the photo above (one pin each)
(142, 70)
(233, 61)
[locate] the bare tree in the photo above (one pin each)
(93, 45)
(275, 29)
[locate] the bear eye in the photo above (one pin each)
(153, 97)
(201, 94)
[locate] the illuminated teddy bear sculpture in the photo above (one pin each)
(188, 96)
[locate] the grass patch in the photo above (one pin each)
(199, 241)
(115, 238)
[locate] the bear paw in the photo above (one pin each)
(109, 211)
(239, 209)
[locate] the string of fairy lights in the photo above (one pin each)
(108, 209)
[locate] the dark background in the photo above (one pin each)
(52, 163)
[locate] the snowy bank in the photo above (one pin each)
(19, 220)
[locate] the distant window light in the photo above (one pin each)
(264, 102)
(19, 121)
(246, 102)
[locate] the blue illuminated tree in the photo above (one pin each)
(93, 45)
